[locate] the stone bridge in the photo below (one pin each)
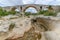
(23, 8)
(37, 7)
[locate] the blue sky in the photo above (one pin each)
(21, 2)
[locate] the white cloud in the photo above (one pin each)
(10, 2)
(48, 2)
(21, 2)
(29, 1)
(54, 2)
(5, 3)
(17, 2)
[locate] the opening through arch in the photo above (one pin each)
(31, 9)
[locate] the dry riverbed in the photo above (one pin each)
(29, 28)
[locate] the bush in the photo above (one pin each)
(5, 13)
(47, 13)
(50, 13)
(12, 12)
(12, 25)
(42, 11)
(27, 13)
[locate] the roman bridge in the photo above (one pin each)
(22, 8)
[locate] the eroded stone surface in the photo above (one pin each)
(44, 28)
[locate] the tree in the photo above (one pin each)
(50, 8)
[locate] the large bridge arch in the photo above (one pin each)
(24, 7)
(29, 7)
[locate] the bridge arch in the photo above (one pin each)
(29, 7)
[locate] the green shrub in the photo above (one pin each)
(42, 11)
(47, 13)
(50, 13)
(5, 13)
(12, 25)
(27, 13)
(12, 12)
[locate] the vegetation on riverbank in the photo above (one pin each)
(42, 12)
(5, 13)
(48, 12)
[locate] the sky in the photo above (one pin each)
(29, 1)
(45, 2)
(22, 2)
(4, 3)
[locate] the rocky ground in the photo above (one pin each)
(29, 28)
